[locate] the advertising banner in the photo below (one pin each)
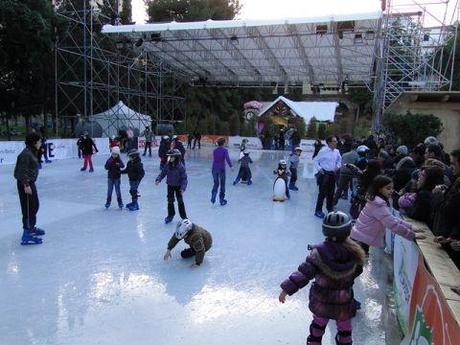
(308, 148)
(431, 319)
(405, 260)
(252, 144)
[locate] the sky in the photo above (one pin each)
(273, 9)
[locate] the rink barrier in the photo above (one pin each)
(427, 309)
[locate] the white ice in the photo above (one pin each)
(99, 277)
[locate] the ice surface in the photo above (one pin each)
(99, 277)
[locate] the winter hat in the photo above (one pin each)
(402, 150)
(297, 149)
(246, 152)
(362, 149)
(132, 152)
(116, 150)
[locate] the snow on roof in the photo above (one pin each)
(322, 111)
(314, 50)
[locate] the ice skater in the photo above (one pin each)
(165, 145)
(294, 159)
(113, 166)
(334, 265)
(26, 174)
(220, 156)
(135, 171)
(87, 145)
(199, 240)
(176, 179)
(244, 173)
(148, 134)
(281, 173)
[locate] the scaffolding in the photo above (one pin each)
(95, 72)
(416, 50)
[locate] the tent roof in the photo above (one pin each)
(322, 111)
(122, 109)
(326, 49)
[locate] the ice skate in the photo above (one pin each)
(223, 202)
(91, 170)
(37, 231)
(213, 198)
(83, 169)
(107, 204)
(128, 205)
(134, 206)
(28, 238)
(168, 219)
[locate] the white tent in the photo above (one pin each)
(119, 117)
(322, 111)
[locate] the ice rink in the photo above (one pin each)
(99, 277)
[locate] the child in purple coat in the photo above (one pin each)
(334, 265)
(176, 179)
(220, 156)
(113, 166)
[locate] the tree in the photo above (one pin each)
(191, 10)
(412, 129)
(27, 34)
(312, 131)
(235, 124)
(322, 129)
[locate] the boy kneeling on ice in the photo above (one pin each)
(199, 240)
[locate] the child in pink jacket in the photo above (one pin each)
(376, 217)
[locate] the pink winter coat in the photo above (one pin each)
(374, 219)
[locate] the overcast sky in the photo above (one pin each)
(270, 9)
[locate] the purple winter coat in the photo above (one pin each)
(175, 176)
(334, 269)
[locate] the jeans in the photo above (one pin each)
(219, 179)
(113, 183)
(133, 185)
(293, 179)
(180, 202)
(326, 183)
(29, 205)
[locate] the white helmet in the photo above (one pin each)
(182, 228)
(431, 141)
(115, 150)
(283, 162)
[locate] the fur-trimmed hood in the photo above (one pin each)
(333, 260)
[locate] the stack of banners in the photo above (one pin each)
(308, 148)
(422, 309)
(206, 140)
(141, 142)
(55, 148)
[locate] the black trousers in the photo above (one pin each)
(197, 141)
(180, 202)
(326, 184)
(148, 145)
(293, 179)
(29, 206)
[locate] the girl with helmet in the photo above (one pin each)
(199, 240)
(176, 179)
(334, 265)
(281, 173)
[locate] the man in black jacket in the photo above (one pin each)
(87, 145)
(26, 173)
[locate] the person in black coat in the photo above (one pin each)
(136, 173)
(87, 145)
(318, 146)
(26, 174)
(197, 139)
(177, 144)
(165, 144)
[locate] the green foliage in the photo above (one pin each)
(322, 131)
(312, 129)
(126, 12)
(412, 129)
(27, 34)
(235, 124)
(191, 10)
(299, 124)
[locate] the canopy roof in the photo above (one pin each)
(322, 111)
(120, 116)
(316, 50)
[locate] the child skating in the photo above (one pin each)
(220, 156)
(176, 179)
(294, 159)
(199, 240)
(334, 266)
(244, 173)
(135, 171)
(113, 166)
